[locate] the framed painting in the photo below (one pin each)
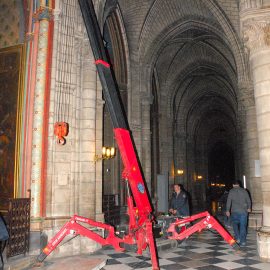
(11, 91)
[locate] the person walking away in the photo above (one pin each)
(238, 206)
(179, 205)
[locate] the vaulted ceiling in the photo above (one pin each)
(195, 51)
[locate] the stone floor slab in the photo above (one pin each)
(73, 263)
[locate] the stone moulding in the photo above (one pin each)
(256, 34)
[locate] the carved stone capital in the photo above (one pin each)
(250, 4)
(256, 34)
(43, 13)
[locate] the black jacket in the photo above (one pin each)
(180, 203)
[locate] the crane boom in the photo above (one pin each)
(115, 108)
(109, 86)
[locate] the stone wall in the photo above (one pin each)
(74, 179)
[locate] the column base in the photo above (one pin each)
(36, 239)
(255, 220)
(263, 243)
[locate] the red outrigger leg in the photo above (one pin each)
(207, 222)
(74, 228)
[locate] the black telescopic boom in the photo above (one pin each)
(109, 86)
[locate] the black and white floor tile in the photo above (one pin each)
(203, 251)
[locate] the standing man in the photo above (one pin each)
(179, 202)
(238, 206)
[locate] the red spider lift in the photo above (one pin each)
(140, 229)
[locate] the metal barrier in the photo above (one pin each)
(18, 223)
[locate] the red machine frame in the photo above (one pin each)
(140, 231)
(178, 230)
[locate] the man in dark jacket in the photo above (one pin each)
(179, 203)
(238, 206)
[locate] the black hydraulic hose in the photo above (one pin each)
(109, 85)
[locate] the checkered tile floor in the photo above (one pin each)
(204, 251)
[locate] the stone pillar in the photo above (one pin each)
(247, 113)
(165, 132)
(146, 140)
(99, 136)
(74, 180)
(250, 143)
(42, 16)
(134, 113)
(240, 164)
(87, 185)
(180, 155)
(256, 33)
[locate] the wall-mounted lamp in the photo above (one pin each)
(107, 153)
(199, 177)
(180, 172)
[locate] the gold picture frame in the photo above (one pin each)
(12, 62)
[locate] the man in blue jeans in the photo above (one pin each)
(238, 206)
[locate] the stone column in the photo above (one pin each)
(250, 143)
(165, 132)
(180, 155)
(256, 33)
(250, 151)
(134, 113)
(43, 16)
(98, 141)
(240, 157)
(146, 140)
(88, 139)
